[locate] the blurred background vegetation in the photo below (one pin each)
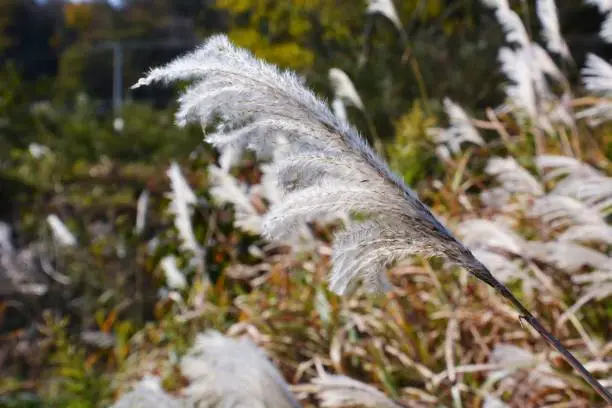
(58, 90)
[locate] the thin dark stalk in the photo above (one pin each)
(368, 33)
(377, 141)
(416, 70)
(552, 341)
(525, 10)
(414, 16)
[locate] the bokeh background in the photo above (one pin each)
(99, 285)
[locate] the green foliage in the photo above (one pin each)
(72, 67)
(22, 400)
(74, 381)
(16, 98)
(285, 32)
(81, 133)
(411, 154)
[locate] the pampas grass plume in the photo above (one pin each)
(60, 232)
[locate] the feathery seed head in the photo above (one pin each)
(174, 277)
(604, 6)
(141, 211)
(225, 372)
(460, 129)
(326, 168)
(551, 31)
(597, 76)
(182, 199)
(513, 27)
(605, 31)
(513, 177)
(336, 391)
(149, 393)
(386, 9)
(60, 232)
(344, 89)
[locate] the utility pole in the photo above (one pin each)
(117, 77)
(118, 47)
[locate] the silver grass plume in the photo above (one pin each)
(599, 233)
(580, 181)
(561, 111)
(596, 192)
(443, 153)
(303, 238)
(551, 31)
(597, 78)
(511, 23)
(599, 286)
(555, 166)
(542, 63)
(141, 211)
(339, 109)
(5, 239)
(562, 211)
(460, 130)
(493, 402)
(597, 114)
(545, 63)
(528, 91)
(605, 31)
(494, 4)
(344, 88)
(225, 372)
(526, 65)
(182, 200)
(345, 93)
(227, 189)
(268, 186)
(175, 279)
(604, 6)
(514, 358)
(521, 93)
(513, 177)
(386, 9)
(61, 233)
(496, 198)
(38, 151)
(149, 393)
(566, 256)
(327, 168)
(229, 157)
(338, 391)
(481, 233)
